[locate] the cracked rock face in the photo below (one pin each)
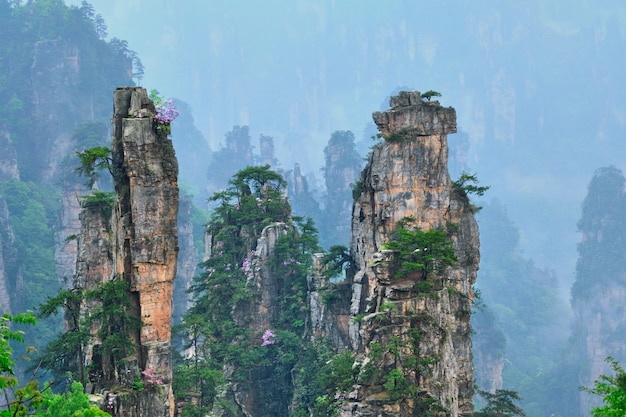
(139, 244)
(407, 176)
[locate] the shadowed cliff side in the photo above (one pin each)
(411, 331)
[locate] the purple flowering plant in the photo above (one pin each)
(166, 111)
(268, 338)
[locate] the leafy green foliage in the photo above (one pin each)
(398, 367)
(29, 400)
(103, 67)
(393, 137)
(421, 251)
(500, 404)
(74, 403)
(613, 391)
(92, 161)
(397, 385)
(7, 364)
(20, 401)
(253, 201)
(32, 210)
(430, 94)
(117, 321)
(104, 199)
(65, 354)
(336, 261)
(332, 381)
(468, 184)
(357, 189)
(117, 327)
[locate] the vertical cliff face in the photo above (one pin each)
(255, 396)
(9, 168)
(146, 237)
(342, 165)
(65, 254)
(7, 257)
(405, 332)
(598, 293)
(188, 259)
(132, 245)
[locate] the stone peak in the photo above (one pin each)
(411, 115)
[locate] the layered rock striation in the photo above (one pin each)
(134, 243)
(412, 335)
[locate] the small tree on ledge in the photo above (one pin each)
(430, 94)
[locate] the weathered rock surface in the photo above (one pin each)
(7, 257)
(260, 312)
(410, 115)
(145, 226)
(330, 319)
(342, 168)
(139, 245)
(408, 177)
(9, 168)
(65, 242)
(188, 258)
(598, 333)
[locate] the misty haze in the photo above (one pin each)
(312, 208)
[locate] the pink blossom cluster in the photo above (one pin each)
(150, 377)
(245, 264)
(268, 338)
(166, 112)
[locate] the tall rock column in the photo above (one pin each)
(599, 290)
(411, 334)
(146, 239)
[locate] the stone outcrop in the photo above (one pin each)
(411, 115)
(188, 259)
(7, 258)
(329, 319)
(69, 227)
(145, 226)
(300, 197)
(599, 291)
(599, 335)
(9, 168)
(138, 244)
(406, 176)
(261, 312)
(342, 167)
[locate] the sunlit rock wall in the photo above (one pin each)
(137, 243)
(407, 175)
(146, 236)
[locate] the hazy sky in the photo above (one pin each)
(537, 85)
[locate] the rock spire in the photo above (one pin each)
(412, 335)
(135, 243)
